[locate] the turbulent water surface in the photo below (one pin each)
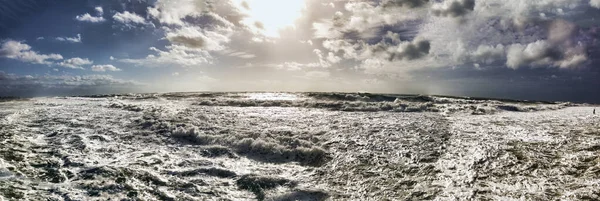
(296, 146)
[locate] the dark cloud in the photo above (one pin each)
(404, 3)
(455, 9)
(412, 51)
(402, 51)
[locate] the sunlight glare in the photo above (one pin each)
(273, 15)
(273, 96)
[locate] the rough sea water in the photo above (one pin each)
(296, 146)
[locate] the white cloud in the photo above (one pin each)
(332, 58)
(559, 50)
(20, 51)
(295, 66)
(595, 3)
(75, 63)
(76, 39)
(537, 53)
(488, 54)
(104, 68)
(89, 18)
(239, 54)
(543, 53)
(387, 35)
(172, 12)
(99, 10)
(191, 44)
(348, 49)
(573, 61)
(93, 19)
(129, 18)
(492, 31)
(322, 60)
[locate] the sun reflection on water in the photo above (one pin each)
(273, 96)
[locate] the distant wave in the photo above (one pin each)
(357, 102)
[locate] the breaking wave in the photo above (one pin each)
(295, 146)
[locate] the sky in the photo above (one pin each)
(534, 50)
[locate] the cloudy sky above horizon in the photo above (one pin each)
(543, 50)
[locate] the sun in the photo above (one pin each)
(270, 16)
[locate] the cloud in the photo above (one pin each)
(89, 18)
(453, 8)
(197, 38)
(28, 85)
(345, 47)
(332, 58)
(295, 66)
(410, 50)
(537, 53)
(239, 54)
(104, 68)
(172, 12)
(76, 39)
(561, 49)
(175, 56)
(488, 54)
(99, 10)
(388, 35)
(129, 18)
(595, 3)
(403, 36)
(561, 31)
(195, 31)
(75, 63)
(542, 53)
(392, 48)
(197, 41)
(259, 25)
(20, 51)
(366, 19)
(245, 5)
(93, 19)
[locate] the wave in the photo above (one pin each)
(252, 148)
(351, 102)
